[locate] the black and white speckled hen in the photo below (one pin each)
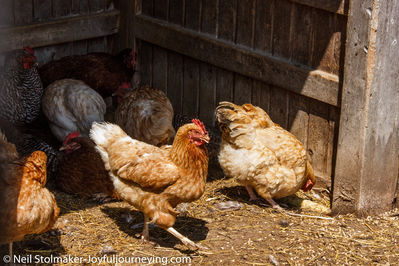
(27, 141)
(21, 89)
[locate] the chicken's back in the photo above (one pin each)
(146, 114)
(82, 171)
(27, 206)
(70, 105)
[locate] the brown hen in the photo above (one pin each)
(103, 72)
(81, 170)
(146, 114)
(152, 179)
(26, 206)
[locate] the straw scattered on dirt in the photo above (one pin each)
(252, 233)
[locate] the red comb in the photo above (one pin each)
(71, 136)
(199, 123)
(125, 85)
(29, 50)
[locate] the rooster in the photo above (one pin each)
(21, 89)
(152, 179)
(146, 114)
(87, 179)
(70, 105)
(260, 154)
(103, 72)
(26, 206)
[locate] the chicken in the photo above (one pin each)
(152, 179)
(20, 88)
(260, 154)
(101, 71)
(27, 140)
(70, 105)
(82, 170)
(146, 114)
(26, 206)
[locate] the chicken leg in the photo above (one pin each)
(10, 252)
(252, 195)
(184, 239)
(145, 234)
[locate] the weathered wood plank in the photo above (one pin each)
(279, 106)
(23, 12)
(323, 42)
(96, 45)
(161, 9)
(261, 95)
(224, 86)
(282, 28)
(208, 16)
(302, 35)
(80, 47)
(42, 10)
(245, 22)
(298, 118)
(6, 13)
(314, 84)
(159, 68)
(147, 7)
(60, 31)
(264, 25)
(126, 33)
(334, 6)
(193, 14)
(61, 8)
(145, 62)
(176, 11)
(96, 6)
(207, 93)
(367, 154)
(191, 87)
(242, 89)
(227, 19)
(175, 80)
(318, 137)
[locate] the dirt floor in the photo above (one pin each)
(250, 234)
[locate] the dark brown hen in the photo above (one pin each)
(103, 72)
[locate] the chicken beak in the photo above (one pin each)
(63, 148)
(205, 138)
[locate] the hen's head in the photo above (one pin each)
(69, 145)
(28, 58)
(194, 132)
(128, 57)
(228, 113)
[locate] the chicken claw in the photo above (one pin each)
(185, 240)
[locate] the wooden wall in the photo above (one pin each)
(82, 28)
(285, 56)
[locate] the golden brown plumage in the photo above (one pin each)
(26, 206)
(152, 179)
(260, 154)
(81, 170)
(146, 114)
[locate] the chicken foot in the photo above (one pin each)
(274, 204)
(184, 239)
(145, 234)
(252, 195)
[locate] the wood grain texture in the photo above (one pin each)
(191, 87)
(60, 31)
(23, 12)
(42, 10)
(61, 8)
(176, 11)
(302, 33)
(193, 14)
(6, 13)
(245, 22)
(264, 18)
(208, 16)
(207, 93)
(242, 89)
(315, 84)
(145, 61)
(159, 68)
(279, 106)
(227, 19)
(175, 80)
(282, 28)
(333, 6)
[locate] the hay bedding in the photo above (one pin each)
(252, 233)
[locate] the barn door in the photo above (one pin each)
(285, 56)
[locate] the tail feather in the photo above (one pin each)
(102, 134)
